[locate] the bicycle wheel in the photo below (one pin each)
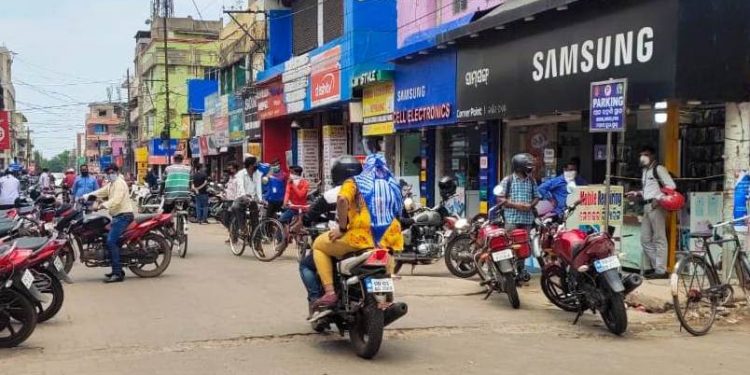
(268, 240)
(181, 236)
(743, 274)
(694, 294)
(236, 240)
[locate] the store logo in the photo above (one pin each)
(325, 87)
(627, 48)
(477, 77)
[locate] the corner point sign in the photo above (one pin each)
(608, 105)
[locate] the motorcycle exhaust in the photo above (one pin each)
(394, 312)
(631, 282)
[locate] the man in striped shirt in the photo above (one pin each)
(177, 183)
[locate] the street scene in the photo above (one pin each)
(338, 186)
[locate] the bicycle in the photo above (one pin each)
(240, 237)
(697, 288)
(177, 234)
(269, 231)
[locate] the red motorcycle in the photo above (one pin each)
(19, 297)
(48, 270)
(498, 255)
(583, 272)
(145, 251)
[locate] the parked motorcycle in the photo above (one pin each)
(583, 273)
(142, 243)
(19, 297)
(48, 271)
(366, 302)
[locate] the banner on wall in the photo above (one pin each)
(236, 128)
(325, 77)
(308, 154)
(4, 130)
(377, 109)
(421, 99)
(334, 145)
(195, 147)
(590, 213)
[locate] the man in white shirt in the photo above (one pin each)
(653, 225)
(45, 181)
(249, 180)
(10, 189)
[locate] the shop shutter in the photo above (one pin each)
(304, 26)
(333, 19)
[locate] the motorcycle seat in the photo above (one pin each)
(31, 243)
(25, 210)
(144, 217)
(350, 261)
(6, 227)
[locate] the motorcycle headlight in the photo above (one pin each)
(409, 204)
(461, 225)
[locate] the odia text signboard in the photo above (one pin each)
(608, 105)
(591, 212)
(544, 67)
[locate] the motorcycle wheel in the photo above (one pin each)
(16, 310)
(460, 247)
(151, 241)
(614, 315)
(49, 285)
(555, 288)
(366, 334)
(68, 257)
(511, 290)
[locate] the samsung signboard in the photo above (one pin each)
(422, 99)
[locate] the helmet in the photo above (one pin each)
(447, 186)
(672, 200)
(70, 170)
(522, 163)
(344, 167)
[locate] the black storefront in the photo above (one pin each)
(530, 67)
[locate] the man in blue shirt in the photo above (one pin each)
(84, 184)
(274, 189)
(558, 188)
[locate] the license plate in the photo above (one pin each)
(502, 255)
(606, 264)
(58, 263)
(27, 279)
(379, 285)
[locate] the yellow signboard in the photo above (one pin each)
(141, 154)
(377, 109)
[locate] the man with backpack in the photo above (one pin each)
(518, 194)
(654, 178)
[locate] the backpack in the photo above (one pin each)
(509, 184)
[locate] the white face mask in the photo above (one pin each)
(645, 160)
(570, 175)
(112, 176)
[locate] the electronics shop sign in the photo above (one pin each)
(425, 99)
(538, 71)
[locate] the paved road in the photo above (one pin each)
(214, 313)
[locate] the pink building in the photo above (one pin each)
(416, 18)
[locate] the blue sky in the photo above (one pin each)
(70, 51)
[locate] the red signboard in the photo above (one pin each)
(271, 100)
(204, 145)
(325, 77)
(4, 131)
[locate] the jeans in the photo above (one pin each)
(273, 208)
(239, 207)
(201, 207)
(309, 275)
(119, 224)
(287, 216)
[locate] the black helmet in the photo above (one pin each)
(522, 163)
(344, 167)
(447, 186)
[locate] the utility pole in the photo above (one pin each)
(28, 146)
(167, 122)
(128, 160)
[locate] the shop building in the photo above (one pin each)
(524, 73)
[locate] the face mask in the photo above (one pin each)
(112, 176)
(570, 175)
(645, 160)
(85, 173)
(295, 177)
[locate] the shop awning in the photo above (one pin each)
(510, 11)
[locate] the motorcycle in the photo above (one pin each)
(19, 298)
(365, 306)
(498, 255)
(583, 272)
(142, 244)
(426, 238)
(48, 271)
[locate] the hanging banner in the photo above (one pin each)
(4, 130)
(308, 154)
(334, 145)
(195, 147)
(141, 154)
(203, 140)
(236, 128)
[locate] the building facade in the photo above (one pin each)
(15, 138)
(106, 135)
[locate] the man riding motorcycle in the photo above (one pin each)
(451, 204)
(367, 209)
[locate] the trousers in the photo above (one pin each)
(654, 237)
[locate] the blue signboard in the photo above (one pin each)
(195, 147)
(198, 90)
(157, 147)
(426, 99)
(608, 105)
(105, 161)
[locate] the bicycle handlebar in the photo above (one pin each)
(728, 222)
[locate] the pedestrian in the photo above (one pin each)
(249, 195)
(176, 184)
(296, 193)
(518, 194)
(46, 185)
(653, 225)
(121, 210)
(275, 188)
(84, 184)
(231, 193)
(200, 188)
(557, 189)
(152, 177)
(10, 190)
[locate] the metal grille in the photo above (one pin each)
(305, 26)
(333, 19)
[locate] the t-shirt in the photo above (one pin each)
(9, 188)
(199, 178)
(177, 185)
